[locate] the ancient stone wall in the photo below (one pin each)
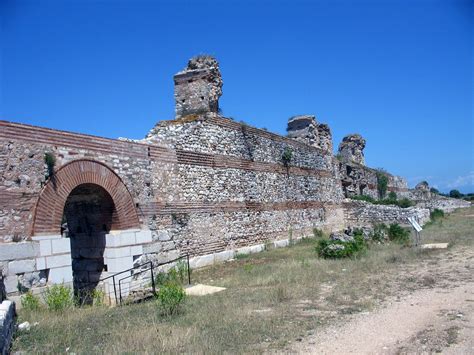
(358, 179)
(364, 214)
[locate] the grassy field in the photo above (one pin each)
(272, 299)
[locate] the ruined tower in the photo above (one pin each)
(198, 87)
(305, 129)
(351, 149)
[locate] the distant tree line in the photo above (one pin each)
(455, 194)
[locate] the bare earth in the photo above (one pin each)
(433, 320)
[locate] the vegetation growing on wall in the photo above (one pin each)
(50, 161)
(382, 184)
(287, 156)
(391, 200)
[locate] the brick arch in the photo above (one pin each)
(50, 206)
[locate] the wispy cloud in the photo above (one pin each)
(460, 181)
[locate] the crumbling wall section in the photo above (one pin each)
(364, 214)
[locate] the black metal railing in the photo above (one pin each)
(116, 282)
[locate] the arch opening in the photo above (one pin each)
(89, 214)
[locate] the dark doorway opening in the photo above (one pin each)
(88, 215)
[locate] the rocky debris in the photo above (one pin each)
(198, 87)
(351, 148)
(305, 129)
(342, 237)
(25, 326)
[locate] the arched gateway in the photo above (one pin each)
(89, 200)
(52, 200)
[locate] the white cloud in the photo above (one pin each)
(460, 181)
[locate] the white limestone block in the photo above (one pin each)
(223, 256)
(281, 243)
(40, 263)
(117, 252)
(11, 283)
(60, 275)
(136, 250)
(58, 260)
(119, 264)
(61, 246)
(21, 266)
(201, 261)
(45, 247)
(143, 237)
(14, 251)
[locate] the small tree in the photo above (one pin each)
(455, 194)
(287, 156)
(382, 184)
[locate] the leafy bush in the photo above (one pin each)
(363, 198)
(382, 183)
(436, 214)
(397, 233)
(455, 194)
(30, 302)
(380, 233)
(50, 161)
(171, 297)
(336, 249)
(392, 196)
(391, 200)
(58, 298)
(287, 156)
(318, 233)
(405, 203)
(177, 274)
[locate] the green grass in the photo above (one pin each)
(272, 298)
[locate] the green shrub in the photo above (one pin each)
(171, 297)
(182, 269)
(436, 214)
(363, 198)
(380, 233)
(405, 203)
(318, 233)
(336, 249)
(382, 183)
(397, 233)
(30, 302)
(392, 196)
(58, 298)
(287, 156)
(50, 161)
(455, 194)
(98, 297)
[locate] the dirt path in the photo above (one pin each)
(425, 321)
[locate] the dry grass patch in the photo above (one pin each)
(272, 298)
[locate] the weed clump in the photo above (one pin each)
(30, 302)
(171, 298)
(398, 234)
(337, 249)
(58, 298)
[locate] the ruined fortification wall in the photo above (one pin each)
(364, 214)
(358, 179)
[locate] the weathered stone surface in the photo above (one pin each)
(351, 149)
(198, 87)
(14, 251)
(21, 266)
(306, 130)
(7, 325)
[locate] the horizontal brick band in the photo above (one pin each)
(156, 208)
(223, 161)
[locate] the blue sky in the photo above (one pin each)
(398, 72)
